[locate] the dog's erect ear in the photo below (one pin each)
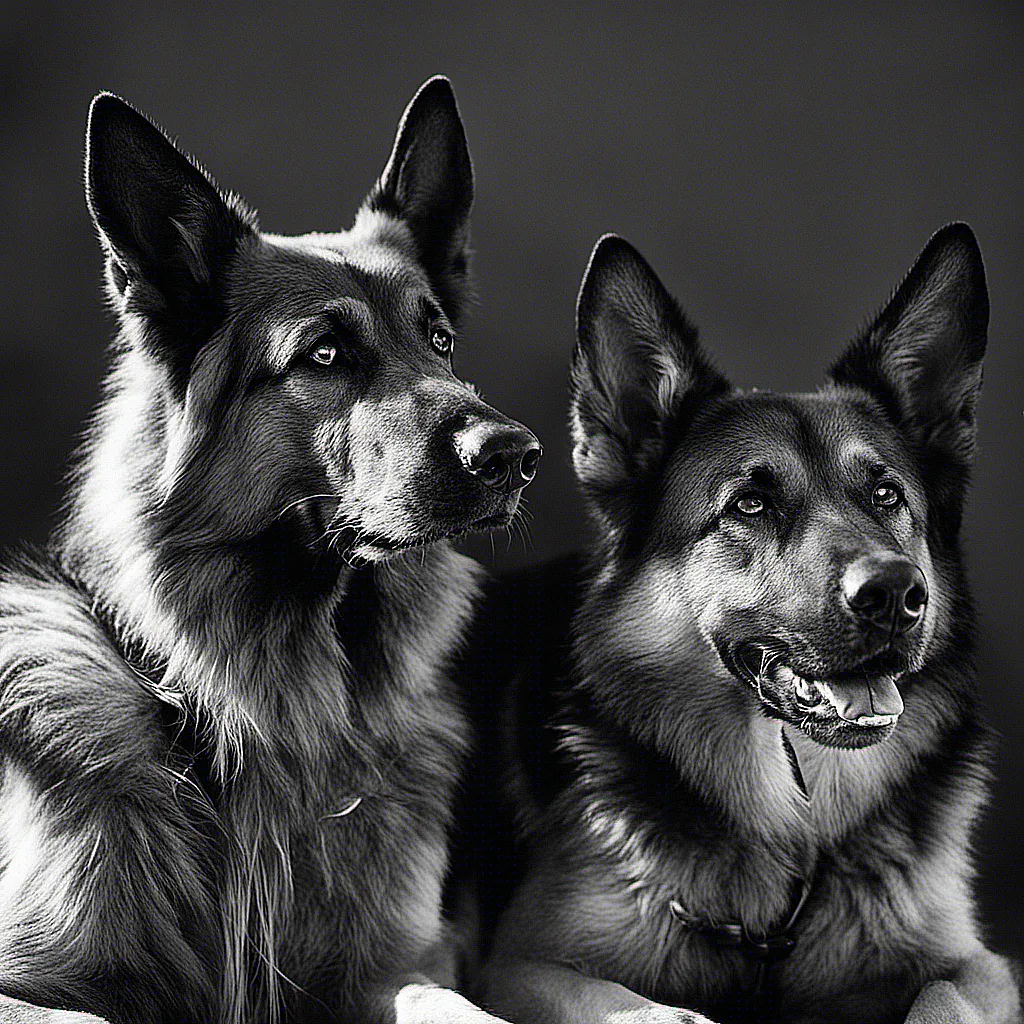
(428, 184)
(922, 360)
(636, 364)
(166, 228)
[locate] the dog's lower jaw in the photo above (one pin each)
(836, 733)
(379, 549)
(816, 695)
(832, 713)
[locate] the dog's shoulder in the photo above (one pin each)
(103, 833)
(69, 697)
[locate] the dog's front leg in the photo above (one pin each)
(532, 992)
(14, 1011)
(415, 999)
(982, 991)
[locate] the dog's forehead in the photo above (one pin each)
(284, 291)
(300, 273)
(797, 437)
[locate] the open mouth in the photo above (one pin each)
(847, 708)
(868, 702)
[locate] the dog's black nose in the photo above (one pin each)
(502, 456)
(888, 593)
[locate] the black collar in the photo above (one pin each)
(763, 950)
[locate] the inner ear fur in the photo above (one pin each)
(166, 228)
(921, 359)
(636, 363)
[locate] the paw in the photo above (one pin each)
(940, 1002)
(655, 1013)
(14, 1011)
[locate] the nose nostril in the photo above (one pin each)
(528, 465)
(915, 600)
(501, 456)
(886, 594)
(493, 471)
(871, 599)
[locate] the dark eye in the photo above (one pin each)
(749, 505)
(441, 340)
(324, 353)
(886, 496)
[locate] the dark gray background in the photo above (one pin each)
(780, 171)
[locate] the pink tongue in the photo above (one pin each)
(861, 698)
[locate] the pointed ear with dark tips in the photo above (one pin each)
(428, 184)
(167, 229)
(921, 359)
(636, 367)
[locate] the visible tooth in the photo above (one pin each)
(784, 674)
(805, 688)
(826, 693)
(877, 719)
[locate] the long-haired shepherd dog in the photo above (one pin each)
(228, 726)
(740, 738)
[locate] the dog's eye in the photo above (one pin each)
(324, 354)
(441, 340)
(886, 496)
(749, 505)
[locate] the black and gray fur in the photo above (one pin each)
(228, 730)
(752, 704)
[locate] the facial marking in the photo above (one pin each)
(343, 317)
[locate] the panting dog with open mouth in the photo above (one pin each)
(739, 737)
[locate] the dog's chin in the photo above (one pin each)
(381, 547)
(849, 708)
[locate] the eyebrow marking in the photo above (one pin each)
(431, 310)
(857, 450)
(757, 473)
(288, 339)
(761, 474)
(351, 311)
(870, 460)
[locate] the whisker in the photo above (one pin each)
(299, 501)
(520, 525)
